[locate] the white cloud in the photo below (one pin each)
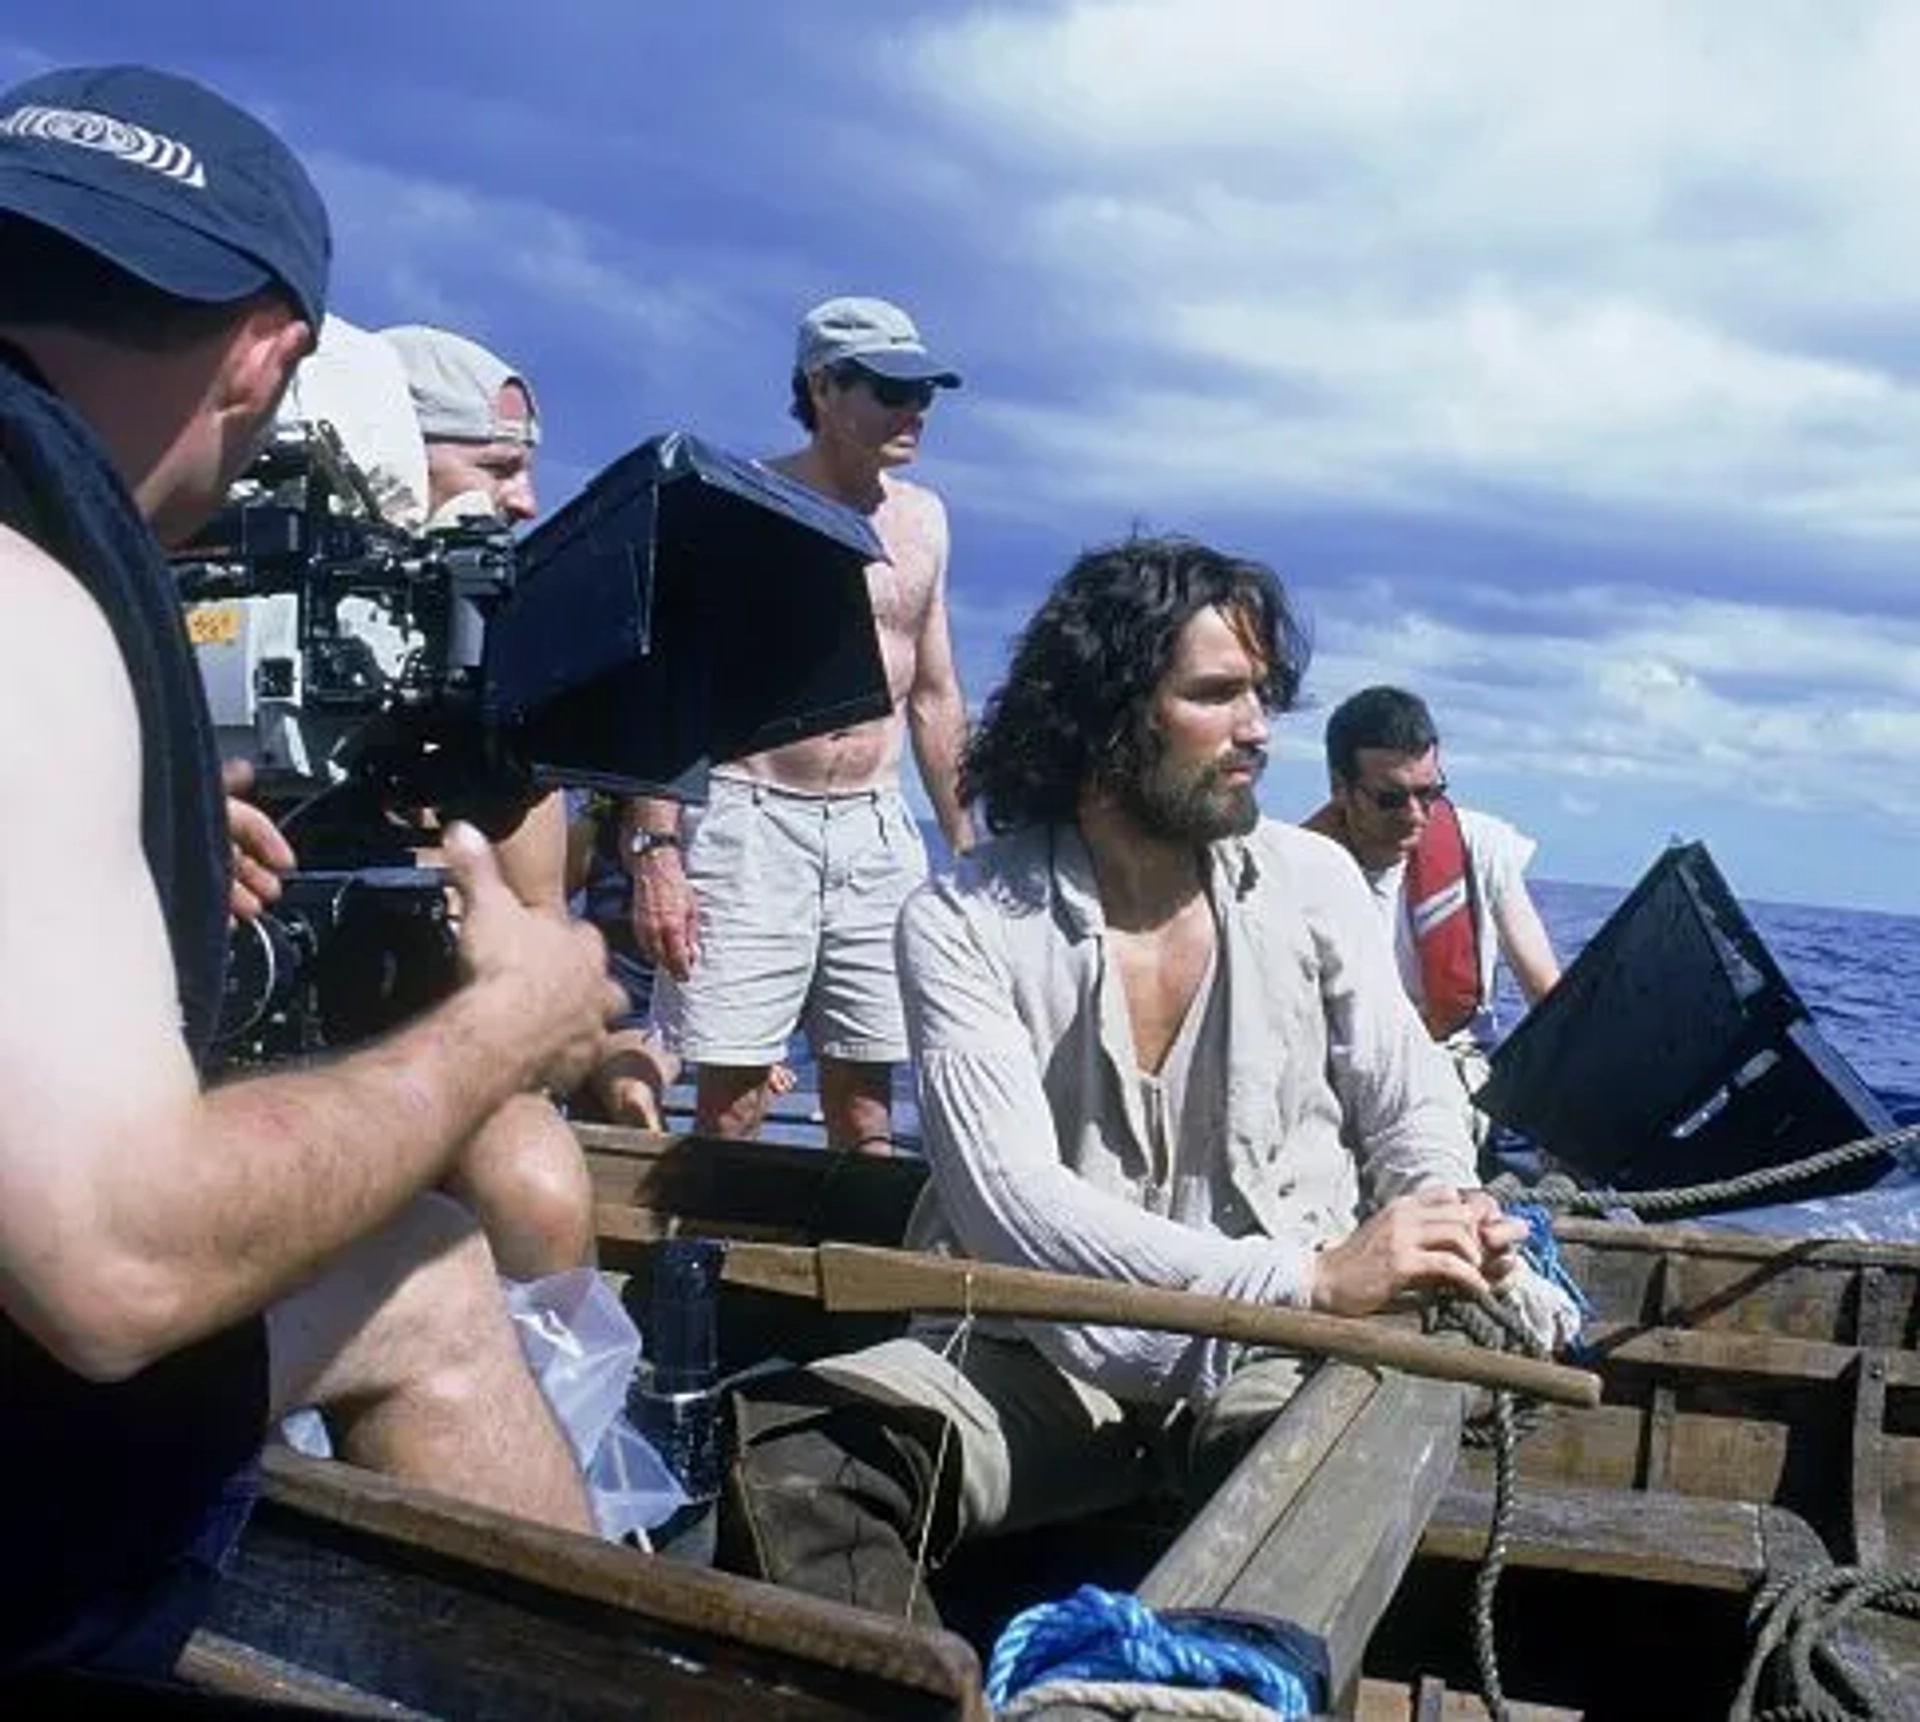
(1817, 709)
(445, 247)
(1388, 248)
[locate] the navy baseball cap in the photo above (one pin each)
(166, 180)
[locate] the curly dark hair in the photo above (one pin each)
(1073, 709)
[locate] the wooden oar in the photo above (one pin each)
(858, 1277)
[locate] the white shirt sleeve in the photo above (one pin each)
(1501, 854)
(989, 1137)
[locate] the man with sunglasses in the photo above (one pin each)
(1449, 881)
(776, 904)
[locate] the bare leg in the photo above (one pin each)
(633, 1077)
(525, 1178)
(731, 1100)
(857, 1100)
(405, 1344)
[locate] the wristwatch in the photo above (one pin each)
(641, 843)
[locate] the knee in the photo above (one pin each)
(526, 1178)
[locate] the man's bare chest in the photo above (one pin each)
(901, 588)
(1160, 975)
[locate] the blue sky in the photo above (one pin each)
(1565, 360)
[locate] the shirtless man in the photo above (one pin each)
(523, 1176)
(777, 903)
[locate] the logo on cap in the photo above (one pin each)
(129, 143)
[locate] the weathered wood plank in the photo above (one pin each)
(1228, 1531)
(1333, 1563)
(1704, 1242)
(1652, 1539)
(1317, 1523)
(211, 1663)
(1721, 1352)
(1866, 1467)
(449, 1608)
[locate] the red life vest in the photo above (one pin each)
(1440, 911)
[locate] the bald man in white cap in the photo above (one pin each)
(480, 421)
(524, 1175)
(780, 913)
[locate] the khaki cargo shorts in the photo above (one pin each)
(798, 895)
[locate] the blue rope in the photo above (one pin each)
(1540, 1249)
(1104, 1635)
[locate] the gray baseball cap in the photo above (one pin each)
(455, 384)
(876, 334)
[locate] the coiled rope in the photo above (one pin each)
(1795, 1621)
(1100, 1647)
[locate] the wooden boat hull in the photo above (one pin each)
(1762, 1413)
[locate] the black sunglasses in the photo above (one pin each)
(895, 392)
(1395, 799)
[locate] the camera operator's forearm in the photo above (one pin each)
(284, 1170)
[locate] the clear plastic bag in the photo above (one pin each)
(1886, 1213)
(583, 1348)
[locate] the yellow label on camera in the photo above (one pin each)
(213, 624)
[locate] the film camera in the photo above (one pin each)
(687, 607)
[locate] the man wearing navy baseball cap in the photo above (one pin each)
(782, 914)
(178, 1265)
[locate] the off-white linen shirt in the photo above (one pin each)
(1323, 1098)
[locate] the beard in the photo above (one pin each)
(1191, 804)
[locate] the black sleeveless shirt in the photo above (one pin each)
(106, 1489)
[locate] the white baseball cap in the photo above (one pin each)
(875, 334)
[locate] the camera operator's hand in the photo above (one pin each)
(260, 852)
(551, 974)
(666, 919)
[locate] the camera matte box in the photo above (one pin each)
(688, 607)
(1673, 1050)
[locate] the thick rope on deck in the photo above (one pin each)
(1561, 1195)
(1795, 1621)
(1098, 1639)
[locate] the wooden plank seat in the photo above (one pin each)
(1651, 1537)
